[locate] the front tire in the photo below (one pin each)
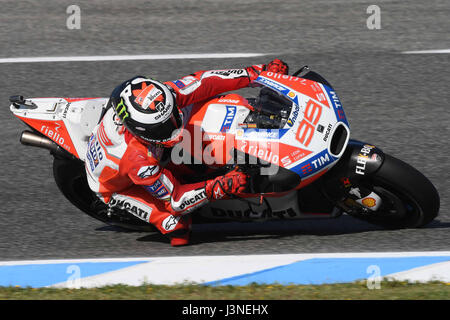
(409, 199)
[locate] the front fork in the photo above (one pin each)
(348, 182)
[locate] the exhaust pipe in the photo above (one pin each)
(29, 138)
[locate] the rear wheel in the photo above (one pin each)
(409, 199)
(70, 176)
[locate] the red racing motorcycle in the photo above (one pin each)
(293, 139)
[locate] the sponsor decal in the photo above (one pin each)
(346, 182)
(146, 95)
(320, 128)
(147, 171)
(53, 134)
(356, 192)
(299, 153)
(375, 157)
(327, 133)
(161, 193)
(273, 84)
(103, 136)
(213, 136)
(369, 202)
(321, 97)
(306, 169)
(132, 206)
(229, 101)
(192, 200)
(278, 87)
(337, 105)
(262, 151)
(255, 134)
(155, 93)
(294, 116)
(260, 134)
(187, 85)
(249, 214)
(286, 161)
(321, 160)
(94, 152)
(121, 110)
(157, 189)
(170, 223)
(285, 77)
(231, 73)
(362, 159)
(162, 110)
(179, 84)
(53, 129)
(229, 117)
(88, 155)
(314, 164)
(66, 110)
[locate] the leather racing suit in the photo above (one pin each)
(125, 173)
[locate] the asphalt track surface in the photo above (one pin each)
(398, 102)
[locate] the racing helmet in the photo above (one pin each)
(147, 109)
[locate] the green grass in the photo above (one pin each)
(390, 290)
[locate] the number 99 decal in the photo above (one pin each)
(306, 128)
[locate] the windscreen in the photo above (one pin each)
(271, 110)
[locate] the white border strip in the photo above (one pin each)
(201, 269)
(427, 51)
(271, 256)
(433, 272)
(132, 57)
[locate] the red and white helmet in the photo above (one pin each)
(147, 109)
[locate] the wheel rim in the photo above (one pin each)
(397, 208)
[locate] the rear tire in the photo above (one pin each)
(70, 177)
(409, 199)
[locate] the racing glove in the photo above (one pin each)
(232, 183)
(277, 66)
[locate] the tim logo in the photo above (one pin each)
(314, 164)
(229, 117)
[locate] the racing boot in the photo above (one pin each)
(181, 236)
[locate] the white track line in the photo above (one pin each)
(398, 254)
(427, 51)
(132, 57)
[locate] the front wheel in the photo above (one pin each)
(409, 199)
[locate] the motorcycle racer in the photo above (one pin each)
(126, 162)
